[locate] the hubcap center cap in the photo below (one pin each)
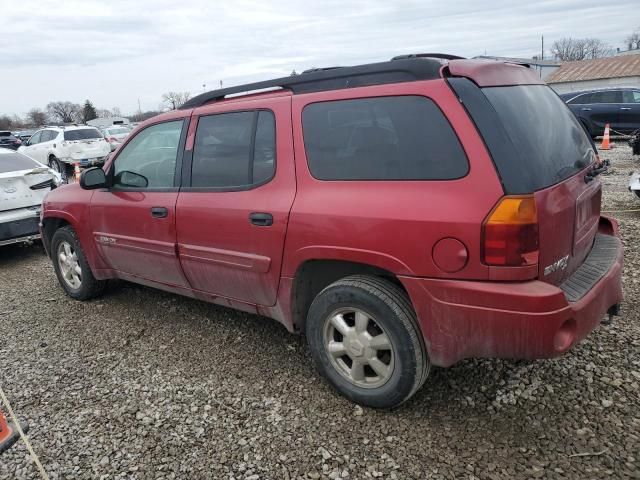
(356, 348)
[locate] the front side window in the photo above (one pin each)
(149, 159)
(382, 138)
(234, 150)
(35, 138)
(581, 99)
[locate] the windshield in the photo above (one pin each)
(551, 143)
(82, 134)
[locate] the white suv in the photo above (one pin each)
(62, 146)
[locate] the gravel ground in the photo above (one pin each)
(143, 384)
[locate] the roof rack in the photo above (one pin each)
(418, 67)
(443, 56)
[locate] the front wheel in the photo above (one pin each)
(71, 267)
(364, 338)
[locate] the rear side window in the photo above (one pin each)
(610, 96)
(11, 162)
(82, 134)
(382, 138)
(234, 150)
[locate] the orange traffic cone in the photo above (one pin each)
(76, 170)
(605, 140)
(8, 433)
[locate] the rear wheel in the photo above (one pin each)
(58, 166)
(71, 267)
(363, 336)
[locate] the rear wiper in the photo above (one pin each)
(596, 170)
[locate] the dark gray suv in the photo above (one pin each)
(618, 107)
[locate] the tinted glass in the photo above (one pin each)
(609, 96)
(152, 154)
(229, 153)
(581, 99)
(630, 96)
(82, 134)
(551, 144)
(5, 134)
(385, 138)
(11, 162)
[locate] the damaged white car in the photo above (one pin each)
(24, 182)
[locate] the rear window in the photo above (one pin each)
(382, 138)
(5, 134)
(117, 131)
(11, 162)
(82, 134)
(552, 144)
(534, 139)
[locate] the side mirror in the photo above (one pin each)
(93, 178)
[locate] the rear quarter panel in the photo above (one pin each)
(393, 225)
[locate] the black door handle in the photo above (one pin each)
(261, 219)
(159, 212)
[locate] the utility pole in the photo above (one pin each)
(204, 87)
(542, 49)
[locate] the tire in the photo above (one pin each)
(59, 167)
(377, 313)
(80, 285)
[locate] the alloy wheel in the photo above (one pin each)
(358, 348)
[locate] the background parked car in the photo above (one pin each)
(24, 135)
(619, 107)
(24, 183)
(59, 147)
(9, 140)
(115, 135)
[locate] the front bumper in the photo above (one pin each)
(524, 320)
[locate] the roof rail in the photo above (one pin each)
(443, 56)
(335, 78)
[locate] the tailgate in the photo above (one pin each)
(568, 217)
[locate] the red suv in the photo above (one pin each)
(402, 214)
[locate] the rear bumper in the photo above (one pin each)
(525, 320)
(19, 230)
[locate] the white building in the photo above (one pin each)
(108, 121)
(618, 71)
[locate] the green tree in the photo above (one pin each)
(88, 112)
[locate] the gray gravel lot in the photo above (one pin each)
(143, 384)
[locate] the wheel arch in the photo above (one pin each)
(52, 223)
(314, 275)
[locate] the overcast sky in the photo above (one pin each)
(115, 52)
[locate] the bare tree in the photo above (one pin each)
(65, 112)
(174, 100)
(103, 113)
(36, 117)
(633, 40)
(6, 123)
(573, 49)
(115, 111)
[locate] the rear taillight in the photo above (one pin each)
(510, 233)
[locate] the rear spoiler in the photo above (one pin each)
(490, 73)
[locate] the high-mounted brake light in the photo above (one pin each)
(510, 233)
